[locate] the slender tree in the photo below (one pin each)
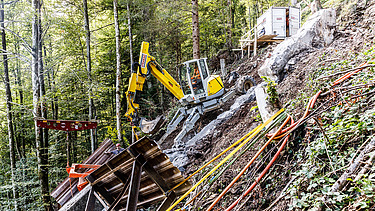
(130, 33)
(17, 75)
(44, 140)
(118, 72)
(318, 5)
(229, 25)
(88, 41)
(8, 106)
(195, 23)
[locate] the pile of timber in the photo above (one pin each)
(66, 190)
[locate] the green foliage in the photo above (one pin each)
(325, 157)
(273, 96)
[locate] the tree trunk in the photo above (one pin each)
(130, 33)
(44, 138)
(55, 112)
(118, 72)
(316, 6)
(8, 108)
(88, 40)
(195, 22)
(17, 72)
(36, 92)
(229, 25)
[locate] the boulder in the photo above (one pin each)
(318, 31)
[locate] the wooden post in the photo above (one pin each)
(90, 205)
(222, 67)
(249, 42)
(135, 180)
(241, 50)
(167, 202)
(255, 41)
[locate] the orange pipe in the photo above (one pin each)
(309, 105)
(246, 167)
(262, 174)
(348, 75)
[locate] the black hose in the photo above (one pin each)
(135, 66)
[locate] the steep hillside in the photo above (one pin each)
(337, 137)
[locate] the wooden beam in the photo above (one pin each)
(90, 205)
(104, 193)
(117, 200)
(122, 177)
(131, 204)
(152, 173)
(101, 201)
(167, 202)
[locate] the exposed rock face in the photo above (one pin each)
(316, 32)
(266, 109)
(178, 156)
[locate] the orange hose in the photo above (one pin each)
(283, 132)
(311, 104)
(246, 167)
(348, 75)
(262, 174)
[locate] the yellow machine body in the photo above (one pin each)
(215, 84)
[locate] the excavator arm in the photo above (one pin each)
(147, 65)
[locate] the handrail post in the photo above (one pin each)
(255, 41)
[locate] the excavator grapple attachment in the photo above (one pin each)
(151, 126)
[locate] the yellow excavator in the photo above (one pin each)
(198, 91)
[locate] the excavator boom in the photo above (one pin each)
(146, 66)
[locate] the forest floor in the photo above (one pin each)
(355, 35)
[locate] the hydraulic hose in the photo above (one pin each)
(348, 75)
(225, 159)
(247, 166)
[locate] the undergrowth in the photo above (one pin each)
(330, 147)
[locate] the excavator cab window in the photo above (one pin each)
(184, 80)
(196, 78)
(204, 70)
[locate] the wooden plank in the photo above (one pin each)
(157, 176)
(104, 193)
(115, 203)
(62, 192)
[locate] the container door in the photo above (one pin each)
(263, 22)
(294, 20)
(279, 22)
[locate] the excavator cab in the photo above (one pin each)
(197, 83)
